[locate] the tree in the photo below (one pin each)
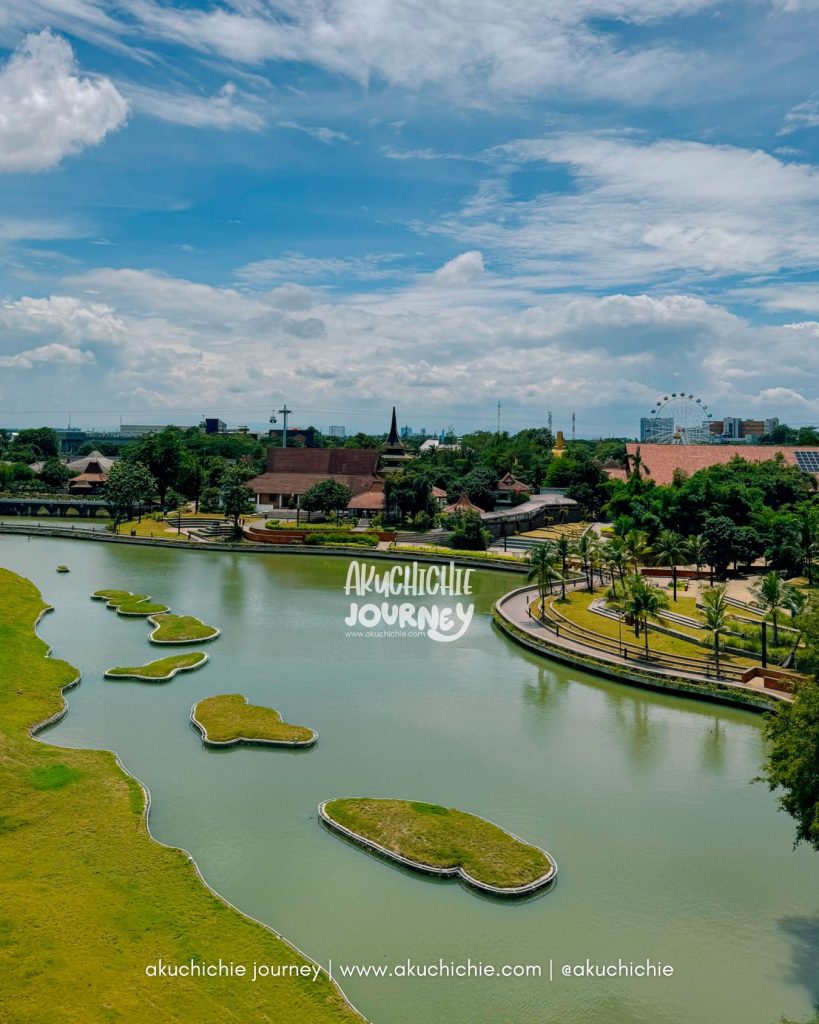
(642, 602)
(469, 533)
(615, 557)
(236, 497)
(697, 551)
(563, 549)
(43, 440)
(55, 473)
(670, 549)
(715, 617)
(326, 496)
(635, 546)
(776, 596)
(588, 550)
(129, 485)
(162, 455)
(480, 486)
(543, 558)
(721, 543)
(793, 759)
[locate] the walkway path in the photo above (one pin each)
(514, 608)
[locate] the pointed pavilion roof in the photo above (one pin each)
(394, 439)
(463, 504)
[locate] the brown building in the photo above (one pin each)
(660, 461)
(292, 471)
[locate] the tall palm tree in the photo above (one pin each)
(563, 550)
(642, 602)
(542, 558)
(697, 551)
(588, 549)
(715, 617)
(777, 596)
(616, 560)
(635, 544)
(670, 549)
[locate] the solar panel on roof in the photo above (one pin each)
(808, 461)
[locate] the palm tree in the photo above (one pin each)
(776, 596)
(642, 602)
(670, 549)
(715, 617)
(563, 550)
(588, 548)
(635, 544)
(542, 558)
(617, 561)
(697, 551)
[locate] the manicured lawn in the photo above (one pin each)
(228, 718)
(181, 629)
(159, 671)
(88, 899)
(576, 609)
(443, 837)
(151, 528)
(127, 603)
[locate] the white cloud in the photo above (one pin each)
(644, 211)
(803, 115)
(47, 110)
(461, 269)
(328, 136)
(52, 355)
(294, 265)
(223, 111)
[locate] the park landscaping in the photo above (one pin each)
(228, 719)
(443, 841)
(160, 671)
(89, 898)
(180, 629)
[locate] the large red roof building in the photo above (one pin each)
(292, 471)
(659, 461)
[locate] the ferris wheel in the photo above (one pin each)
(679, 418)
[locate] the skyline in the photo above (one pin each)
(353, 205)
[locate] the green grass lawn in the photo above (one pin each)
(181, 629)
(228, 718)
(576, 609)
(443, 837)
(159, 671)
(88, 899)
(127, 603)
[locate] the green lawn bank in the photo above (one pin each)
(443, 841)
(88, 899)
(180, 629)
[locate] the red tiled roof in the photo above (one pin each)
(438, 492)
(298, 483)
(372, 498)
(661, 460)
(323, 461)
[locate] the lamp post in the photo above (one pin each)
(764, 632)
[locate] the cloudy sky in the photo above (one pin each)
(342, 204)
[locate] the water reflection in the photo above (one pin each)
(714, 747)
(804, 934)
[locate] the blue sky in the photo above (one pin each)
(345, 204)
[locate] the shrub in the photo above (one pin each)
(366, 540)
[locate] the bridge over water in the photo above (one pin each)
(83, 508)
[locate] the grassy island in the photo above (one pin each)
(127, 603)
(443, 841)
(160, 671)
(89, 899)
(228, 719)
(180, 629)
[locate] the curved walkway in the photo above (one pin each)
(512, 615)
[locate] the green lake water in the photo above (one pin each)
(665, 851)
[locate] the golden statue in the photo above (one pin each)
(560, 445)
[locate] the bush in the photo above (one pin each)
(422, 521)
(364, 540)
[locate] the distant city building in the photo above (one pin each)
(650, 427)
(214, 426)
(336, 431)
(297, 437)
(733, 428)
(406, 432)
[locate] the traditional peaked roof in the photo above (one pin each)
(96, 462)
(509, 482)
(463, 504)
(394, 438)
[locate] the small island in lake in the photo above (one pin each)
(228, 719)
(443, 841)
(127, 603)
(180, 629)
(160, 671)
